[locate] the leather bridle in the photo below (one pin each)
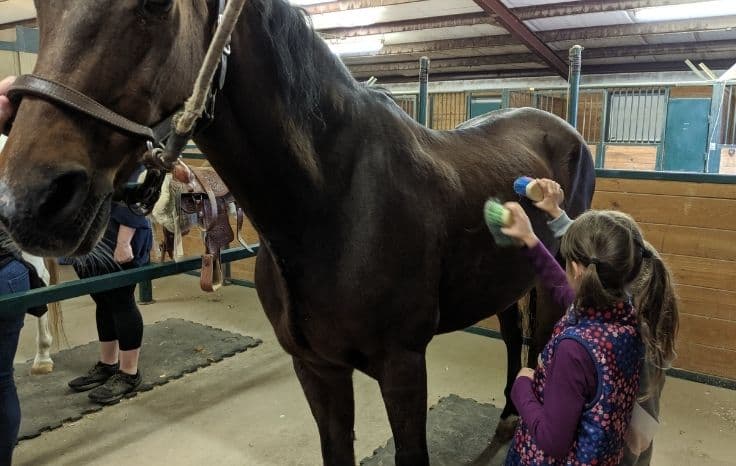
(140, 197)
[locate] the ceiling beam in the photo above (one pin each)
(468, 19)
(589, 6)
(486, 45)
(538, 72)
(687, 48)
(344, 5)
(723, 23)
(522, 33)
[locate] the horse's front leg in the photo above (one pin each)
(42, 363)
(403, 381)
(329, 391)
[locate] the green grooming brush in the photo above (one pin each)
(497, 216)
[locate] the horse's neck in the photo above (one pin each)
(273, 151)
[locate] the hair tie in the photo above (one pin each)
(645, 252)
(595, 260)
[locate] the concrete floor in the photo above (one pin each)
(249, 409)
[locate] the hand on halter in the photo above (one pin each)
(6, 108)
(521, 227)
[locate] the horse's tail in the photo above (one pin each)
(581, 179)
(56, 317)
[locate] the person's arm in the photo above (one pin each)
(560, 224)
(123, 247)
(551, 275)
(570, 384)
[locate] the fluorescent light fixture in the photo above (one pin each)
(355, 47)
(686, 11)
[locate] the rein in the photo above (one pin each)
(165, 140)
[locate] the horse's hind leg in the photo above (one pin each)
(403, 381)
(42, 363)
(513, 338)
(329, 391)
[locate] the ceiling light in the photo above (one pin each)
(352, 48)
(686, 11)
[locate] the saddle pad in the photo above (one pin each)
(170, 349)
(459, 433)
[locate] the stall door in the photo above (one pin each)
(480, 106)
(686, 136)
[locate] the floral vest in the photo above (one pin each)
(614, 343)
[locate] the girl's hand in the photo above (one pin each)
(526, 372)
(521, 228)
(553, 197)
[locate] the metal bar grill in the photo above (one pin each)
(636, 115)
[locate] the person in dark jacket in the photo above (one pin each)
(119, 323)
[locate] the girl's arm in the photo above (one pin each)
(569, 386)
(550, 274)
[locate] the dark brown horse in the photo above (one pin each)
(371, 227)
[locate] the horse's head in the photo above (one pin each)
(60, 167)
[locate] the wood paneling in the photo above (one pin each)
(630, 157)
(707, 302)
(693, 225)
(708, 331)
(490, 323)
(691, 92)
(690, 241)
(706, 359)
(672, 188)
(698, 212)
(448, 110)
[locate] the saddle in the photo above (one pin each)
(202, 197)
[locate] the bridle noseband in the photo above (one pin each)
(164, 145)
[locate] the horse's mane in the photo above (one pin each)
(298, 55)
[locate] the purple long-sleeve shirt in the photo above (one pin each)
(571, 378)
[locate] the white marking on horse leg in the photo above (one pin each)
(42, 363)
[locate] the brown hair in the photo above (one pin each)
(617, 261)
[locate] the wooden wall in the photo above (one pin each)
(623, 157)
(694, 226)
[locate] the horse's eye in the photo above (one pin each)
(157, 6)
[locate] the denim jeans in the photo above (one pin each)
(13, 279)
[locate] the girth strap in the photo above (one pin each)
(59, 93)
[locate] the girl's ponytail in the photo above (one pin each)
(658, 314)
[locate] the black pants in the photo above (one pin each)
(118, 317)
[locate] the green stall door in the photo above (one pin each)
(480, 106)
(686, 136)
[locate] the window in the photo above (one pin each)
(636, 116)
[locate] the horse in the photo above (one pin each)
(49, 326)
(371, 227)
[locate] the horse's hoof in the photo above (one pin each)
(506, 428)
(42, 368)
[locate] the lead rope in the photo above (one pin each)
(194, 107)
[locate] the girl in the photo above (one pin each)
(576, 406)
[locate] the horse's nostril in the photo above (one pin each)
(64, 195)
